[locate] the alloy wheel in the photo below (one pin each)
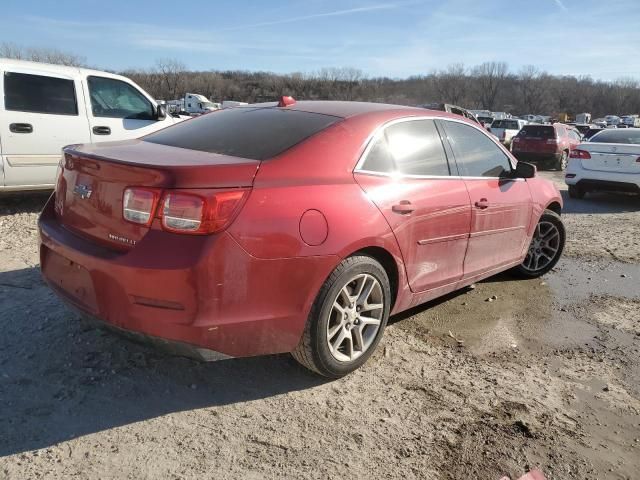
(544, 247)
(355, 317)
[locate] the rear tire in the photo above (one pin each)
(576, 192)
(561, 163)
(545, 249)
(347, 319)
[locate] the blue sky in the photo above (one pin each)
(395, 38)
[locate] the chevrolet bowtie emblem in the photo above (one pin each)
(83, 191)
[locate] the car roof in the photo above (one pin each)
(60, 70)
(347, 109)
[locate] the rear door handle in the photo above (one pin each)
(482, 204)
(21, 128)
(102, 130)
(403, 208)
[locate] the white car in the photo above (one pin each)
(506, 129)
(45, 107)
(609, 161)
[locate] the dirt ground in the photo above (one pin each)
(546, 376)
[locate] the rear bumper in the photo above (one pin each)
(536, 157)
(205, 291)
(601, 180)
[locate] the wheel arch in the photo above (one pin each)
(388, 262)
(555, 207)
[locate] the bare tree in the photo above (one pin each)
(452, 84)
(534, 86)
(44, 55)
(172, 73)
(490, 77)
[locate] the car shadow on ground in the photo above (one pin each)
(33, 202)
(60, 379)
(601, 202)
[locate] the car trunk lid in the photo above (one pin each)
(93, 178)
(610, 157)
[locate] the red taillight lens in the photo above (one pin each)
(139, 205)
(581, 154)
(200, 212)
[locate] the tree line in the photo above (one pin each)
(491, 86)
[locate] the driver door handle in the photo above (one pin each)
(21, 128)
(403, 208)
(482, 204)
(102, 130)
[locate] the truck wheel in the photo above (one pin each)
(347, 319)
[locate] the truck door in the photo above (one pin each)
(40, 112)
(119, 111)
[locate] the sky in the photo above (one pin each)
(394, 38)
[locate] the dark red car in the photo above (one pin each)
(293, 228)
(546, 145)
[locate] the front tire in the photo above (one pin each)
(347, 319)
(546, 247)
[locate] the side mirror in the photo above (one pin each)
(524, 170)
(161, 113)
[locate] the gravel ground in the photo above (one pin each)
(546, 376)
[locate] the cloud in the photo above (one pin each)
(561, 5)
(336, 13)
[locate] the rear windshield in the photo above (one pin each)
(537, 131)
(508, 124)
(624, 135)
(255, 133)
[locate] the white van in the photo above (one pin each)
(45, 107)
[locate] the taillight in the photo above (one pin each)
(581, 154)
(200, 212)
(516, 139)
(139, 205)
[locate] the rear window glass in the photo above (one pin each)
(24, 92)
(624, 135)
(508, 124)
(538, 131)
(255, 133)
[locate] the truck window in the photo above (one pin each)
(113, 98)
(39, 94)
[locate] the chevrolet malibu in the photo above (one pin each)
(291, 227)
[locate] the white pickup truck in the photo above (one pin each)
(45, 107)
(506, 129)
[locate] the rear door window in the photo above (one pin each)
(39, 94)
(410, 148)
(476, 154)
(257, 133)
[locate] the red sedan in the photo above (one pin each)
(291, 227)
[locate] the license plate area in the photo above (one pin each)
(70, 279)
